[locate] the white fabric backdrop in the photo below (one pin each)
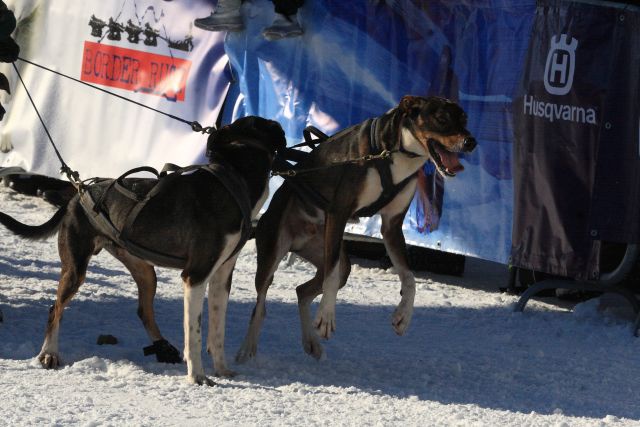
(98, 134)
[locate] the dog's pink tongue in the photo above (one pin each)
(450, 161)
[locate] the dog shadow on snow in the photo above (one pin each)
(542, 361)
(16, 267)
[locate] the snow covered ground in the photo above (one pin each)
(467, 359)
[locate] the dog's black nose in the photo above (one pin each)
(469, 144)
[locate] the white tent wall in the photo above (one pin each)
(96, 133)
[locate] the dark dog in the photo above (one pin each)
(193, 220)
(417, 130)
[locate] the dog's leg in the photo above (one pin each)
(74, 268)
(325, 321)
(145, 277)
(219, 288)
(193, 300)
(271, 246)
(397, 250)
(308, 291)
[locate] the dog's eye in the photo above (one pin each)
(441, 120)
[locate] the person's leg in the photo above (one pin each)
(285, 23)
(225, 17)
(287, 7)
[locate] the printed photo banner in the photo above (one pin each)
(145, 50)
(357, 59)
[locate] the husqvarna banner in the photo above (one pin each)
(145, 50)
(576, 161)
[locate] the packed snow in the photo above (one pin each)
(467, 359)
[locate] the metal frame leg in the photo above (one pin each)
(606, 283)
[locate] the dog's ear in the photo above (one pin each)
(212, 141)
(276, 135)
(218, 136)
(408, 102)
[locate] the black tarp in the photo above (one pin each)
(576, 125)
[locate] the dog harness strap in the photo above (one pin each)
(389, 189)
(229, 178)
(168, 168)
(312, 130)
(142, 201)
(119, 182)
(97, 217)
(237, 187)
(382, 201)
(374, 144)
(303, 190)
(102, 222)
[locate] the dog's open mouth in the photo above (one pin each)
(446, 161)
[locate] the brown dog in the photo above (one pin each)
(195, 221)
(417, 130)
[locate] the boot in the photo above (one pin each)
(225, 17)
(282, 27)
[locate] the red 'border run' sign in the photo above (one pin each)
(135, 70)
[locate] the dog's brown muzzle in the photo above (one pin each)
(446, 159)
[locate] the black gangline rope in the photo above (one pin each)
(197, 127)
(73, 176)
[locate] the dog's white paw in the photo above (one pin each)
(49, 360)
(224, 372)
(200, 380)
(325, 322)
(246, 352)
(401, 319)
(313, 347)
(5, 144)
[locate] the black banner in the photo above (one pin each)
(576, 138)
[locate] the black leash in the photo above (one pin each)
(385, 154)
(321, 137)
(195, 126)
(72, 175)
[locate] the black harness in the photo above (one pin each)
(94, 207)
(382, 165)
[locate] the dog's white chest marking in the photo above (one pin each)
(258, 206)
(402, 166)
(371, 190)
(410, 143)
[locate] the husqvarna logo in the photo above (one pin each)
(561, 65)
(558, 80)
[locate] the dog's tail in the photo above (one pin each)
(34, 232)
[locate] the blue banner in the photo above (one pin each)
(356, 60)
